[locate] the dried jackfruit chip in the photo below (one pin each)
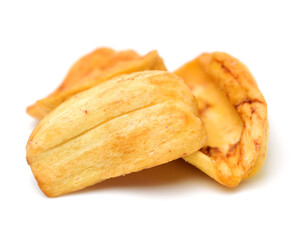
(98, 66)
(122, 125)
(234, 113)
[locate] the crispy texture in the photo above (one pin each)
(234, 113)
(122, 125)
(98, 66)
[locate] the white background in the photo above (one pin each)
(39, 41)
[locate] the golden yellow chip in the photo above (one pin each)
(234, 113)
(122, 125)
(98, 66)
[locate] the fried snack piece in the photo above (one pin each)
(98, 66)
(234, 113)
(122, 125)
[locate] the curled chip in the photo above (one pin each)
(122, 125)
(234, 113)
(98, 66)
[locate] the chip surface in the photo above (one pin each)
(122, 125)
(234, 113)
(98, 66)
